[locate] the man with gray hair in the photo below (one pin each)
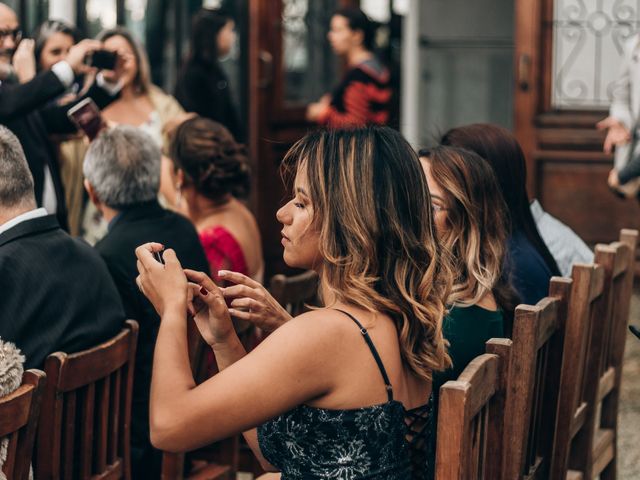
(122, 177)
(57, 293)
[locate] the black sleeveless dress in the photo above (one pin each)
(379, 442)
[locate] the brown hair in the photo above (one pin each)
(377, 241)
(477, 230)
(503, 152)
(142, 80)
(211, 159)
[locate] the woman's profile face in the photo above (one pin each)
(55, 49)
(119, 44)
(300, 237)
(341, 37)
(438, 198)
(226, 38)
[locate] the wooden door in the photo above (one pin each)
(556, 110)
(290, 65)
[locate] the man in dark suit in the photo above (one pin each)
(27, 109)
(122, 177)
(55, 291)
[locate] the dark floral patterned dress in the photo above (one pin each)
(379, 442)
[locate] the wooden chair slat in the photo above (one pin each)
(19, 412)
(69, 435)
(114, 418)
(102, 423)
(86, 429)
(95, 411)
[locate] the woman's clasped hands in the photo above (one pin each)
(174, 292)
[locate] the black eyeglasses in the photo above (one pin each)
(16, 33)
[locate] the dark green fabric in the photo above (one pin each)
(467, 329)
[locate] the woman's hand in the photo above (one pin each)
(209, 309)
(164, 285)
(257, 304)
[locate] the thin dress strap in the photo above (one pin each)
(374, 352)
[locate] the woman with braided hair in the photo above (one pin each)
(211, 176)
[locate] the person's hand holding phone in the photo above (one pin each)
(115, 74)
(78, 53)
(24, 60)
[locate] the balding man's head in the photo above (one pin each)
(8, 26)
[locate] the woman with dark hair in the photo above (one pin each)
(211, 175)
(472, 221)
(530, 263)
(53, 40)
(364, 94)
(330, 392)
(203, 86)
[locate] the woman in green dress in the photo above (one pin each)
(471, 221)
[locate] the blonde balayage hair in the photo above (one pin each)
(378, 243)
(476, 233)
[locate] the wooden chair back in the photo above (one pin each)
(586, 306)
(84, 427)
(593, 452)
(18, 420)
(294, 293)
(173, 464)
(532, 392)
(470, 416)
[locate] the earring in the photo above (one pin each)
(178, 199)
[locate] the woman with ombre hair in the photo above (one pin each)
(471, 219)
(327, 393)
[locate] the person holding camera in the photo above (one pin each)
(25, 106)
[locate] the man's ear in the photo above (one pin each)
(93, 196)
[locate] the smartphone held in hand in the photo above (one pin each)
(102, 59)
(86, 116)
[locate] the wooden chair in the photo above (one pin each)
(86, 413)
(294, 293)
(18, 419)
(593, 451)
(586, 306)
(216, 462)
(533, 384)
(470, 418)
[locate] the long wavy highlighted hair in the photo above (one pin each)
(378, 245)
(477, 226)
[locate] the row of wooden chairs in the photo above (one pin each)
(544, 404)
(540, 405)
(80, 407)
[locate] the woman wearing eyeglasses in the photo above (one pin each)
(470, 217)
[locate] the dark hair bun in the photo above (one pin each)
(211, 159)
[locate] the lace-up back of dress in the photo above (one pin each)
(420, 436)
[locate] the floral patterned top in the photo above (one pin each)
(379, 442)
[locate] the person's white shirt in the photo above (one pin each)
(23, 217)
(565, 245)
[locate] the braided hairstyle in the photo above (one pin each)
(212, 161)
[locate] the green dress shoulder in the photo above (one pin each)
(467, 329)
